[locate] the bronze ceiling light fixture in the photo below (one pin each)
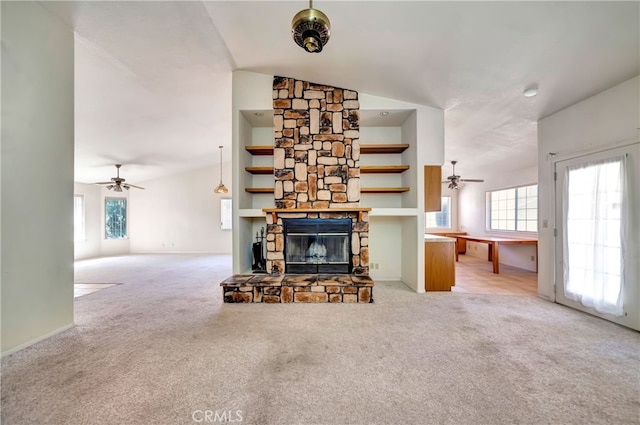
(311, 29)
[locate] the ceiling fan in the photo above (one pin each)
(455, 180)
(117, 183)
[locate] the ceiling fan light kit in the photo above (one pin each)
(311, 29)
(221, 188)
(454, 180)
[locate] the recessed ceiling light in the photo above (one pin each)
(384, 113)
(531, 91)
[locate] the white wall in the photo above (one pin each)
(472, 215)
(91, 246)
(605, 120)
(385, 248)
(37, 175)
(180, 213)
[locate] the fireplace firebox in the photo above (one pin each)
(317, 245)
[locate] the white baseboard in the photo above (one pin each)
(36, 340)
(413, 288)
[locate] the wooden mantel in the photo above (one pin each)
(275, 211)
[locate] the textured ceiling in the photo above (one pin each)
(153, 79)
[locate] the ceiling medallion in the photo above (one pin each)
(311, 29)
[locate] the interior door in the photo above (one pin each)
(598, 234)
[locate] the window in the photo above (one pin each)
(514, 209)
(442, 218)
(115, 218)
(78, 218)
(225, 214)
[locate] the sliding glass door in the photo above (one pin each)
(597, 236)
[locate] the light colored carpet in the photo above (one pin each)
(163, 349)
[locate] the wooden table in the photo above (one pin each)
(494, 243)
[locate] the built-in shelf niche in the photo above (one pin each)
(365, 169)
(388, 148)
(382, 148)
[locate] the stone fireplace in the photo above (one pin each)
(317, 236)
(316, 167)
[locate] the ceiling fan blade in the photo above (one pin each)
(471, 180)
(103, 183)
(127, 185)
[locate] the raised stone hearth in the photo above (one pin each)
(302, 288)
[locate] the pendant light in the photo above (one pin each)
(221, 187)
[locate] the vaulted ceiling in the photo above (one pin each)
(153, 79)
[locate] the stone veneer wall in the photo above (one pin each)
(316, 152)
(316, 159)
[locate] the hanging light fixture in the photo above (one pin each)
(311, 29)
(221, 187)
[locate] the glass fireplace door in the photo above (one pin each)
(317, 246)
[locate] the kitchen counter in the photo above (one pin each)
(436, 238)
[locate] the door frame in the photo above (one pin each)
(631, 297)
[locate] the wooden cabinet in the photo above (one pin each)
(439, 263)
(432, 188)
